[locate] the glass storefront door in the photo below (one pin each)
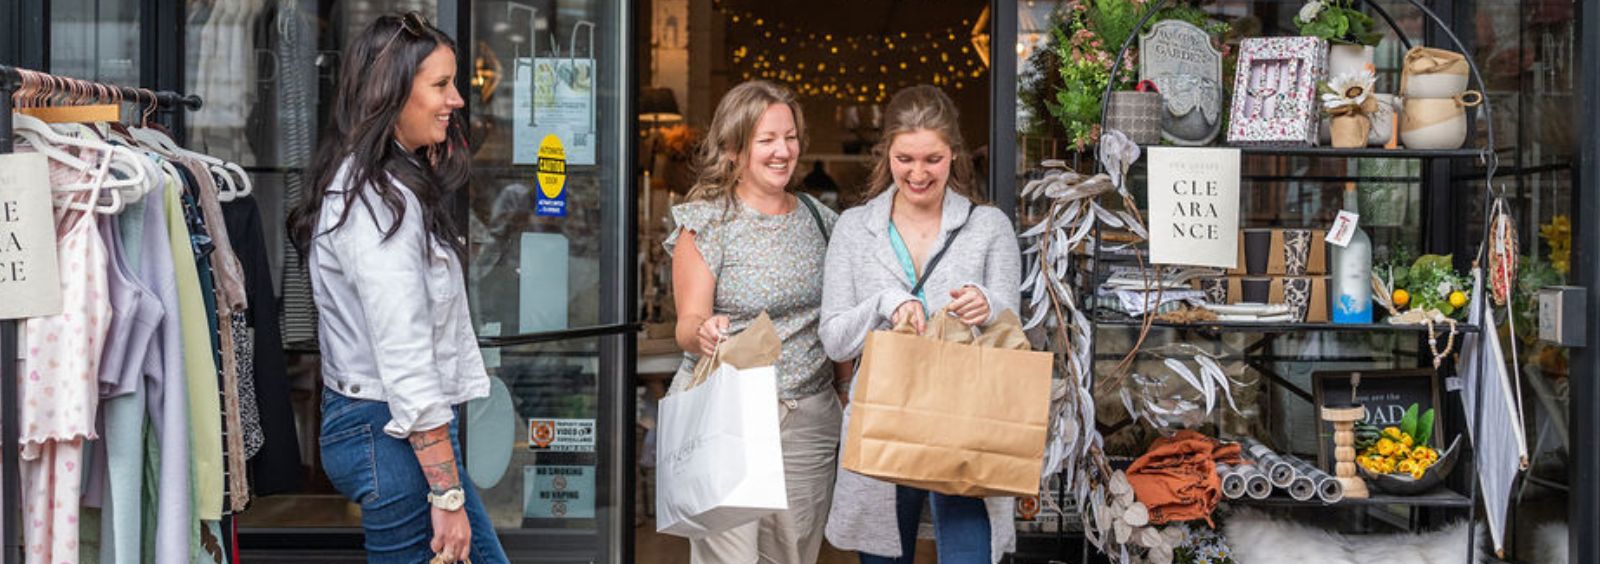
(551, 274)
(546, 88)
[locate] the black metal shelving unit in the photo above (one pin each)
(1249, 327)
(1441, 498)
(1363, 153)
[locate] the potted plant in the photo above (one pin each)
(1348, 100)
(1085, 41)
(1349, 33)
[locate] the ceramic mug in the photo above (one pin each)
(1255, 290)
(1297, 295)
(1257, 251)
(1437, 123)
(1296, 251)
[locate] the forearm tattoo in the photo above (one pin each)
(437, 457)
(441, 476)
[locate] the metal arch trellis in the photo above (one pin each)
(1089, 478)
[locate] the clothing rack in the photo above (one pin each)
(165, 103)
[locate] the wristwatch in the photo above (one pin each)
(449, 500)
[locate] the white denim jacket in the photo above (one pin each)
(393, 313)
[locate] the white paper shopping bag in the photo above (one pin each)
(719, 457)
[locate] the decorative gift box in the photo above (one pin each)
(1281, 252)
(1275, 91)
(1306, 296)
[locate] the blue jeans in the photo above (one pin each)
(960, 527)
(381, 473)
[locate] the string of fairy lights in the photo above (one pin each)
(852, 68)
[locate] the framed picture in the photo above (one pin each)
(1385, 393)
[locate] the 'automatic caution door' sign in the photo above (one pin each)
(552, 176)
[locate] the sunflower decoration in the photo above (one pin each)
(1349, 90)
(1348, 99)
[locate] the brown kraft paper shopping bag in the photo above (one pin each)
(951, 412)
(757, 345)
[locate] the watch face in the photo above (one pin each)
(449, 501)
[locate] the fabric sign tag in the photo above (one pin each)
(29, 276)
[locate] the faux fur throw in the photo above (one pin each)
(1257, 538)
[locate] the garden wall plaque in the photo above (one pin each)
(1179, 58)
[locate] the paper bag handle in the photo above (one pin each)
(706, 366)
(945, 326)
(1004, 333)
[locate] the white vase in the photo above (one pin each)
(1349, 59)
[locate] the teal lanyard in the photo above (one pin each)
(904, 253)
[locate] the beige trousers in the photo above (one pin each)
(809, 429)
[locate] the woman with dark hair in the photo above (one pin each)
(398, 350)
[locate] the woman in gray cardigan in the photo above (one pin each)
(922, 201)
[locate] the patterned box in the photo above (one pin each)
(1275, 91)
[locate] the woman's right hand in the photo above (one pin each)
(711, 330)
(911, 311)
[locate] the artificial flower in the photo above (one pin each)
(1350, 89)
(1310, 10)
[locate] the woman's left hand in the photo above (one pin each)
(970, 305)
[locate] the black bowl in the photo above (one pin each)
(1404, 484)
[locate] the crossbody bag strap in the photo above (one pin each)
(934, 262)
(816, 215)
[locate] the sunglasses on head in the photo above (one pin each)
(410, 22)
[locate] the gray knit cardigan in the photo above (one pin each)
(863, 284)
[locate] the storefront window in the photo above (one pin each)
(95, 40)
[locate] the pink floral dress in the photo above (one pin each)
(59, 390)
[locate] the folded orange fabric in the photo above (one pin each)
(1177, 478)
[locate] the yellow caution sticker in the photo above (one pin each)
(552, 178)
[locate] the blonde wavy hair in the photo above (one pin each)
(916, 108)
(721, 155)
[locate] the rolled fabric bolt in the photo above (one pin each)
(1232, 481)
(1328, 488)
(1303, 488)
(1256, 484)
(1279, 471)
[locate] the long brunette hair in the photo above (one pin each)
(375, 82)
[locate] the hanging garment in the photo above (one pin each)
(60, 387)
(124, 415)
(152, 527)
(220, 270)
(276, 468)
(199, 378)
(134, 314)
